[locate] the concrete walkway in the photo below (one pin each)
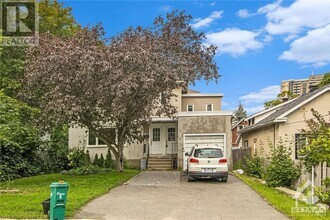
(166, 195)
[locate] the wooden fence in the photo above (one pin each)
(239, 154)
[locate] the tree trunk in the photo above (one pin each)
(120, 159)
(119, 165)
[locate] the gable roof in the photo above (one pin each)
(269, 109)
(281, 113)
(237, 123)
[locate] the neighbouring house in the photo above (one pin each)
(235, 135)
(284, 122)
(199, 120)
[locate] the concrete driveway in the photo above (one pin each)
(166, 195)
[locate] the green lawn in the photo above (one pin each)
(279, 200)
(34, 190)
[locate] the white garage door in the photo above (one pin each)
(191, 140)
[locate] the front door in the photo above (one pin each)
(155, 144)
(171, 140)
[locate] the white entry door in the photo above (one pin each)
(171, 140)
(156, 142)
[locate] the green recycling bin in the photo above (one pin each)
(58, 197)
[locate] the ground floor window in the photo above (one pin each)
(246, 144)
(93, 140)
(300, 142)
(171, 134)
(156, 134)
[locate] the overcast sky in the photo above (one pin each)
(259, 43)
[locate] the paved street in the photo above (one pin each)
(166, 195)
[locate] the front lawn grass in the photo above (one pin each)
(34, 190)
(279, 200)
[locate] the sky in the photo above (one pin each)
(260, 43)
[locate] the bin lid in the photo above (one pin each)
(59, 184)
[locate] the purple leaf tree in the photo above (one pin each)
(119, 82)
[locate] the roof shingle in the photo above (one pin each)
(270, 119)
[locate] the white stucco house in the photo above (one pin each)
(199, 120)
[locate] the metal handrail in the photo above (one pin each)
(148, 148)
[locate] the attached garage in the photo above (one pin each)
(211, 139)
(203, 128)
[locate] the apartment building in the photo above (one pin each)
(301, 86)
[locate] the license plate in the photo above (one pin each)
(208, 170)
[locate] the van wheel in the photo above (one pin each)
(225, 179)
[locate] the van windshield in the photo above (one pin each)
(208, 153)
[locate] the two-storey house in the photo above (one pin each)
(199, 120)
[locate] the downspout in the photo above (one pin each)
(148, 149)
(274, 139)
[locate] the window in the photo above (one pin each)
(93, 140)
(300, 141)
(208, 153)
(209, 107)
(251, 121)
(171, 134)
(246, 143)
(190, 108)
(156, 134)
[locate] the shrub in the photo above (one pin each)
(77, 158)
(325, 195)
(108, 159)
(239, 165)
(20, 141)
(317, 149)
(55, 150)
(281, 170)
(88, 158)
(101, 161)
(84, 170)
(17, 162)
(96, 160)
(255, 167)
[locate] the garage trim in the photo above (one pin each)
(203, 134)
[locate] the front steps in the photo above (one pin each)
(160, 163)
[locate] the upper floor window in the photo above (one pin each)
(93, 140)
(209, 107)
(190, 108)
(251, 121)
